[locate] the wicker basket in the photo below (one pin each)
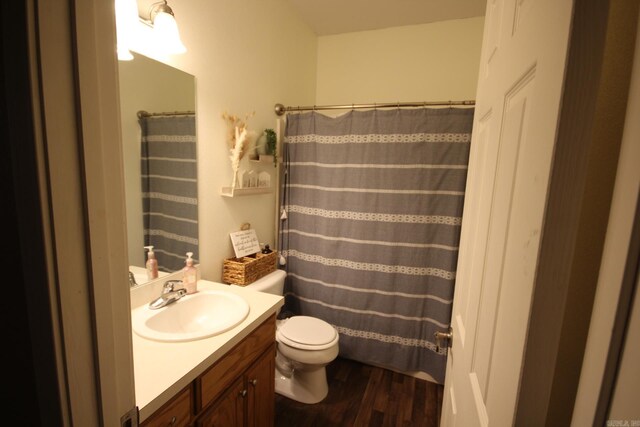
(246, 270)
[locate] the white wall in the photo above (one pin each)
(429, 62)
(246, 55)
(153, 87)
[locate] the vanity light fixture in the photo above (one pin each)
(165, 29)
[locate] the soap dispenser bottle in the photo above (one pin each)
(152, 264)
(189, 279)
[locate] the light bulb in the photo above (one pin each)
(166, 34)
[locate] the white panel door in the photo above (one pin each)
(517, 106)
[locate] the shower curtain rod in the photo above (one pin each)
(281, 109)
(143, 113)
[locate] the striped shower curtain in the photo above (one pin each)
(169, 188)
(373, 203)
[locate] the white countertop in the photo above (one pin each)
(162, 369)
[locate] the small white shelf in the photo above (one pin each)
(236, 192)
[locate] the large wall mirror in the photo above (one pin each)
(157, 105)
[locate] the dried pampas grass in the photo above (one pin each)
(234, 122)
(239, 139)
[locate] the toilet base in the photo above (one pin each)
(303, 386)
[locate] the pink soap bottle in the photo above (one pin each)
(152, 264)
(189, 275)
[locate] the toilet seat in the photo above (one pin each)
(295, 333)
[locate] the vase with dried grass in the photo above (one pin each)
(239, 140)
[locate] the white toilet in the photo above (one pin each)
(305, 345)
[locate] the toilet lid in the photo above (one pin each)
(307, 330)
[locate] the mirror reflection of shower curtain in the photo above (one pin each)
(169, 188)
(373, 202)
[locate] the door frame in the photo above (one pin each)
(589, 135)
(618, 274)
(98, 103)
(73, 72)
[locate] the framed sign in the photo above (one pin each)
(245, 242)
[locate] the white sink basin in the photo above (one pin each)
(193, 317)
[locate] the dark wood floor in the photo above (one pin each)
(362, 395)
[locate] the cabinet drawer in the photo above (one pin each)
(221, 375)
(176, 412)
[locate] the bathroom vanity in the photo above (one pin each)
(226, 379)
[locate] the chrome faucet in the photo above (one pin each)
(170, 294)
(132, 280)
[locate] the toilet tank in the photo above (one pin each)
(272, 283)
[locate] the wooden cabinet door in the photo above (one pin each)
(235, 363)
(261, 390)
(229, 409)
(176, 413)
